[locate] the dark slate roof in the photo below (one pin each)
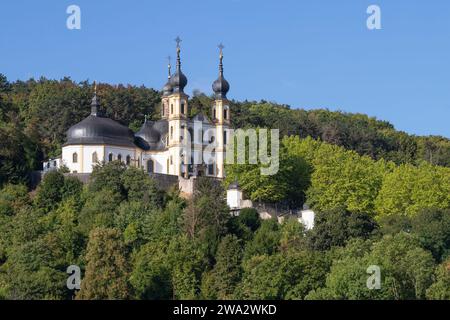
(220, 87)
(201, 117)
(167, 89)
(234, 185)
(178, 81)
(99, 130)
(152, 135)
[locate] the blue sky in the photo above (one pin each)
(308, 54)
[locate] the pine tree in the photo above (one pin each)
(107, 268)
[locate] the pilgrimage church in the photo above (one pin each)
(175, 149)
(175, 145)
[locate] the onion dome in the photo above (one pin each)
(220, 86)
(178, 81)
(96, 129)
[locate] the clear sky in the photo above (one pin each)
(308, 54)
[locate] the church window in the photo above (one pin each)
(214, 113)
(75, 157)
(171, 132)
(211, 169)
(171, 108)
(225, 114)
(150, 166)
(94, 157)
(191, 134)
(128, 160)
(224, 137)
(182, 108)
(110, 157)
(119, 157)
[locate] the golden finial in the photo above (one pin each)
(221, 46)
(178, 40)
(169, 65)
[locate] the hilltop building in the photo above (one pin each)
(174, 145)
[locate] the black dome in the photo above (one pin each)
(99, 130)
(178, 81)
(147, 133)
(167, 89)
(151, 136)
(221, 87)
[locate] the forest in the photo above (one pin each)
(381, 197)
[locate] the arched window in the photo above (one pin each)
(119, 157)
(128, 160)
(75, 157)
(110, 157)
(224, 137)
(150, 166)
(225, 114)
(182, 108)
(171, 132)
(211, 169)
(191, 165)
(94, 157)
(191, 134)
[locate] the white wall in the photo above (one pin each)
(88, 151)
(67, 153)
(51, 164)
(123, 151)
(234, 198)
(159, 161)
(85, 152)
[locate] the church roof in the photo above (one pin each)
(99, 130)
(152, 135)
(201, 117)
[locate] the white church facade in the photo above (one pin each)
(174, 145)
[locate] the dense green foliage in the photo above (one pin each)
(132, 241)
(382, 198)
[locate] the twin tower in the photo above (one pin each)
(201, 130)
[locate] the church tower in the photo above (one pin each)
(167, 91)
(177, 102)
(221, 116)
